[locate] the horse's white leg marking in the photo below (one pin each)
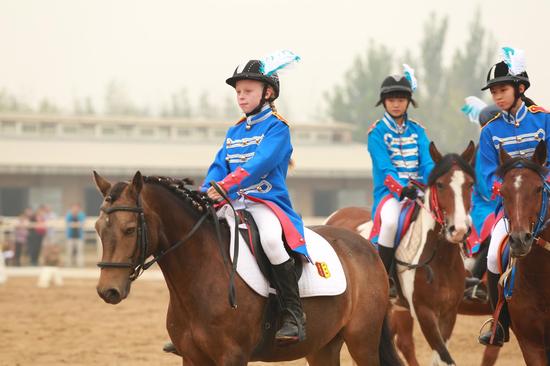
(437, 361)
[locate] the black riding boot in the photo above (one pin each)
(502, 331)
(387, 255)
(293, 328)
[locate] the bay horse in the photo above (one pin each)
(433, 294)
(162, 217)
(525, 194)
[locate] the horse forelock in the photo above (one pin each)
(518, 162)
(445, 165)
(116, 191)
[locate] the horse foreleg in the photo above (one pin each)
(430, 328)
(490, 356)
(329, 355)
(403, 324)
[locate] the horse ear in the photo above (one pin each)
(102, 184)
(503, 155)
(468, 154)
(434, 153)
(137, 182)
(539, 156)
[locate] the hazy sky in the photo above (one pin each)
(66, 49)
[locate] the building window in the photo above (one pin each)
(48, 129)
(325, 202)
(147, 132)
(164, 132)
(70, 130)
(8, 127)
(108, 131)
(51, 196)
(183, 132)
(29, 128)
(92, 201)
(87, 129)
(13, 200)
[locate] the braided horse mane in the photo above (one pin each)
(194, 199)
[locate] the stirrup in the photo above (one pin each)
(300, 326)
(493, 335)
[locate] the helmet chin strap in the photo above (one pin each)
(517, 96)
(263, 101)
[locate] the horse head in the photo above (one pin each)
(525, 197)
(127, 230)
(450, 188)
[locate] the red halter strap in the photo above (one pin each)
(434, 206)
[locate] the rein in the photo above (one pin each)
(142, 244)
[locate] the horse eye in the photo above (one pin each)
(439, 185)
(130, 231)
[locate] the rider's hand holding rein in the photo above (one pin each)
(213, 194)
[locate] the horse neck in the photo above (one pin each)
(196, 259)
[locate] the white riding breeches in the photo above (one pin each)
(497, 236)
(269, 226)
(389, 217)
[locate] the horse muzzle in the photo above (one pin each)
(111, 293)
(456, 234)
(520, 244)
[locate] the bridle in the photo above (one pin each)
(140, 265)
(541, 223)
(142, 241)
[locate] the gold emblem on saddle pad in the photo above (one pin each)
(322, 269)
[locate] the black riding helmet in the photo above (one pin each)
(500, 73)
(252, 70)
(396, 86)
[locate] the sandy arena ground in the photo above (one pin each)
(71, 325)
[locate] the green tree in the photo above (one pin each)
(10, 103)
(354, 100)
(180, 106)
(48, 107)
(118, 102)
(441, 89)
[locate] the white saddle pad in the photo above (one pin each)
(325, 277)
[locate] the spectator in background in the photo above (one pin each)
(49, 217)
(37, 232)
(21, 233)
(75, 236)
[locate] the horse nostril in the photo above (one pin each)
(112, 295)
(452, 229)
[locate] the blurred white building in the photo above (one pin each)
(49, 159)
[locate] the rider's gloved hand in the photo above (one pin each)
(408, 192)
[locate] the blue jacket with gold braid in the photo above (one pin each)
(399, 154)
(518, 135)
(253, 162)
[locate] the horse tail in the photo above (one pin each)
(386, 348)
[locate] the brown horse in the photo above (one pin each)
(358, 219)
(525, 194)
(163, 218)
(433, 299)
